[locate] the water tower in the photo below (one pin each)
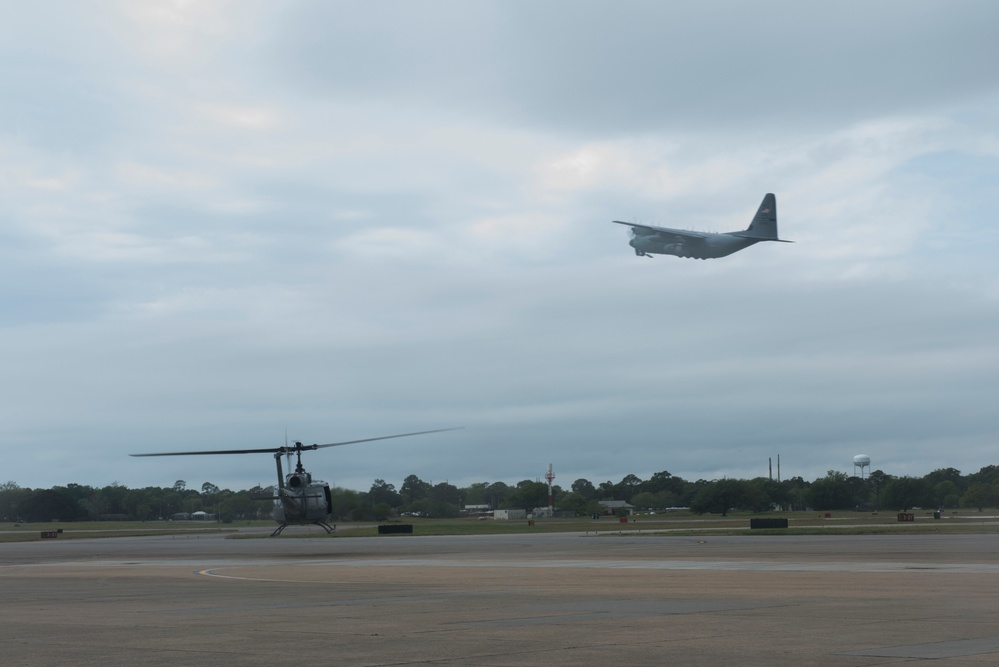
(861, 461)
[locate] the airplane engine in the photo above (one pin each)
(644, 244)
(299, 480)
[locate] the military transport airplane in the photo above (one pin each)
(648, 240)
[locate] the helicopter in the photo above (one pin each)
(299, 499)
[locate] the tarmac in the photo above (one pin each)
(544, 599)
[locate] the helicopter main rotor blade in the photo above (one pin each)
(386, 437)
(291, 449)
(269, 450)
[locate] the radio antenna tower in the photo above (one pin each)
(550, 476)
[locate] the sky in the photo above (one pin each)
(228, 224)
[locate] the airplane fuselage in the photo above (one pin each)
(710, 246)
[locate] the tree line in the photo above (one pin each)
(941, 489)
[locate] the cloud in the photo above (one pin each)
(595, 68)
(222, 221)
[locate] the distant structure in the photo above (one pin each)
(861, 461)
(770, 465)
(616, 506)
(550, 476)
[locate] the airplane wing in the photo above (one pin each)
(674, 235)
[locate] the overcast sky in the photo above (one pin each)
(225, 222)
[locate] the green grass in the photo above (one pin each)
(676, 523)
(680, 523)
(29, 532)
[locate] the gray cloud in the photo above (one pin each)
(343, 222)
(596, 68)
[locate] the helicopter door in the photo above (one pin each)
(329, 500)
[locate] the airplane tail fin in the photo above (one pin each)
(764, 224)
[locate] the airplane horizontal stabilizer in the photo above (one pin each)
(744, 235)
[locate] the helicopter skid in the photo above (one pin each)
(322, 524)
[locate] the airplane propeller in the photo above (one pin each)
(632, 235)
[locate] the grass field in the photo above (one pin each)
(684, 523)
(672, 523)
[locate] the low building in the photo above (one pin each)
(509, 514)
(477, 510)
(616, 507)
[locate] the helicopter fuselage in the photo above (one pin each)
(302, 500)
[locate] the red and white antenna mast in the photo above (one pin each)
(550, 476)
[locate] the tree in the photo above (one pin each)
(797, 491)
(724, 495)
(111, 500)
(242, 506)
(496, 493)
(981, 496)
(263, 507)
(877, 480)
(381, 511)
(987, 475)
(832, 492)
(445, 493)
(627, 487)
(952, 475)
(179, 485)
(142, 504)
(666, 499)
(440, 500)
(585, 488)
(346, 503)
(49, 505)
(860, 492)
(413, 489)
(902, 493)
(573, 502)
(645, 500)
(384, 493)
(11, 497)
(527, 496)
(946, 494)
(771, 493)
(660, 481)
(665, 485)
(476, 494)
